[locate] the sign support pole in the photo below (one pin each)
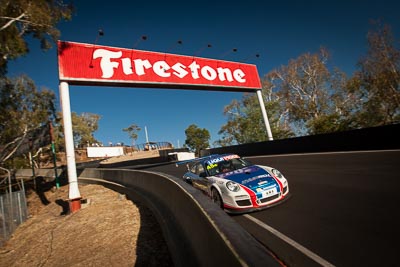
(264, 113)
(74, 195)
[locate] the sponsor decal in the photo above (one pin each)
(87, 64)
(211, 166)
(256, 178)
(224, 158)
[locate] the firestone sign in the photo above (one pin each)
(88, 64)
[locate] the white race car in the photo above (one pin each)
(235, 184)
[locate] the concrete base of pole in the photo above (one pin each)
(74, 205)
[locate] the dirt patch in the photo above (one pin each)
(109, 230)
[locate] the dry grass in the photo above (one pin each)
(108, 231)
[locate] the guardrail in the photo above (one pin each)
(198, 233)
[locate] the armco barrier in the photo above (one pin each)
(197, 232)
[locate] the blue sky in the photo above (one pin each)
(277, 31)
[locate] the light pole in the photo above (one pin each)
(147, 137)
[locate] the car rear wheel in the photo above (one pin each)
(216, 198)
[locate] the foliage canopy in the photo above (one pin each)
(22, 18)
(132, 131)
(197, 138)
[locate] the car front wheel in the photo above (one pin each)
(216, 198)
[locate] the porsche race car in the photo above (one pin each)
(235, 184)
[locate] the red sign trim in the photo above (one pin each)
(89, 64)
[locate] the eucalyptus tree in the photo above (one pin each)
(302, 97)
(84, 126)
(132, 131)
(22, 108)
(245, 123)
(197, 138)
(377, 81)
(22, 18)
(306, 96)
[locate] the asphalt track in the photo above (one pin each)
(343, 209)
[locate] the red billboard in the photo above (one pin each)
(89, 64)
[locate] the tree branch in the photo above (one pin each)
(12, 20)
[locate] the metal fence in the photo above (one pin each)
(13, 212)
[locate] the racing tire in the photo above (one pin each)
(216, 198)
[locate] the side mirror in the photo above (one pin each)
(188, 180)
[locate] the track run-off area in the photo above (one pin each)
(343, 209)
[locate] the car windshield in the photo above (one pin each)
(225, 164)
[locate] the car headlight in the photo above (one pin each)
(277, 173)
(232, 186)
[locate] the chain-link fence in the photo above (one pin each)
(13, 211)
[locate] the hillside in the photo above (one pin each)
(109, 230)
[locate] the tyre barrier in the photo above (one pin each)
(197, 232)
